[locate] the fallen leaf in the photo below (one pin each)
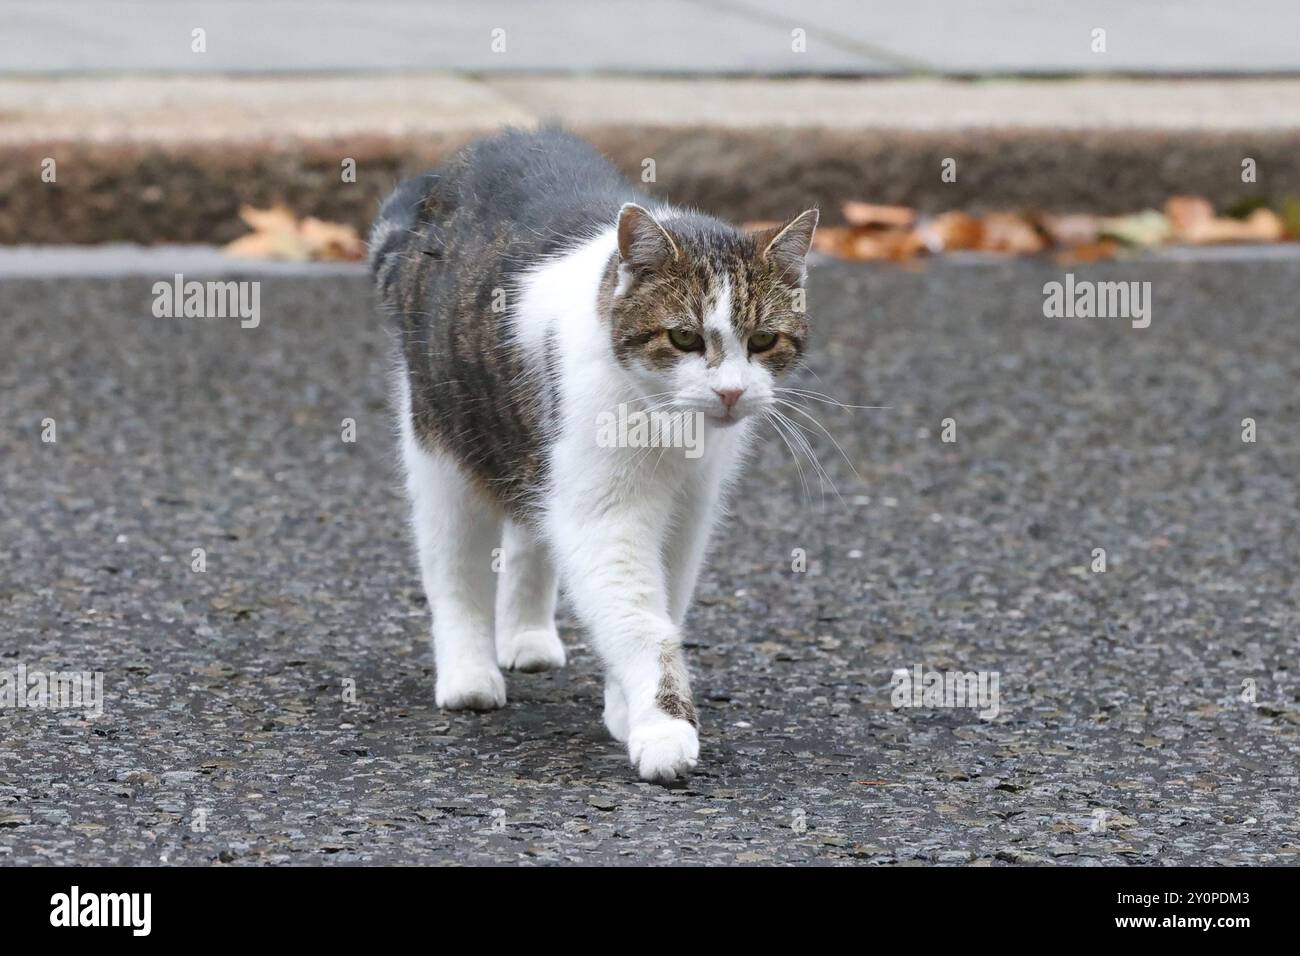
(1242, 208)
(276, 219)
(951, 230)
(868, 245)
(331, 241)
(893, 233)
(1188, 213)
(1262, 225)
(1073, 229)
(903, 245)
(277, 234)
(269, 245)
(865, 247)
(1006, 232)
(1147, 228)
(1090, 252)
(865, 214)
(833, 240)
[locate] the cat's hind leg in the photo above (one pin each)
(456, 529)
(526, 638)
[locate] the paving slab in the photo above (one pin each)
(701, 37)
(244, 36)
(1056, 36)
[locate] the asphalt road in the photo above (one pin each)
(1122, 735)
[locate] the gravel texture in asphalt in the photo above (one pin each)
(1145, 714)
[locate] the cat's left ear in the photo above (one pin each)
(786, 247)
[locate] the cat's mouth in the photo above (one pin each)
(725, 419)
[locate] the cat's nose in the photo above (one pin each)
(729, 396)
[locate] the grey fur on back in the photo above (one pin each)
(548, 187)
(445, 250)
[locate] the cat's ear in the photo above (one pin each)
(642, 242)
(786, 247)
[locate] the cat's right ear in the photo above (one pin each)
(642, 242)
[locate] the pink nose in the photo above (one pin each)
(729, 396)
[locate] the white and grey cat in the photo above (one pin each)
(533, 289)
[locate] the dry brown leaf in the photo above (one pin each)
(866, 214)
(1262, 225)
(276, 219)
(866, 247)
(951, 230)
(284, 246)
(833, 240)
(331, 241)
(1267, 225)
(1008, 233)
(1088, 252)
(1187, 214)
(277, 234)
(904, 244)
(1073, 229)
(1146, 228)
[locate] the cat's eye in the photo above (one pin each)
(762, 341)
(686, 340)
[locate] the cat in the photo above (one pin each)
(533, 291)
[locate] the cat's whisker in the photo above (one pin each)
(805, 447)
(806, 414)
(803, 366)
(776, 427)
(799, 432)
(664, 399)
(823, 398)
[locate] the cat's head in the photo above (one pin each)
(706, 316)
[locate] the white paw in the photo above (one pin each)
(539, 649)
(615, 712)
(470, 687)
(663, 749)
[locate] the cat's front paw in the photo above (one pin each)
(663, 749)
(539, 649)
(472, 687)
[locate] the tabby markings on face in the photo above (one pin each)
(662, 314)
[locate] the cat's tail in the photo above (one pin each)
(395, 228)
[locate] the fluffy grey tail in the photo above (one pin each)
(395, 227)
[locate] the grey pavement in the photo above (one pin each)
(1147, 714)
(220, 111)
(845, 37)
